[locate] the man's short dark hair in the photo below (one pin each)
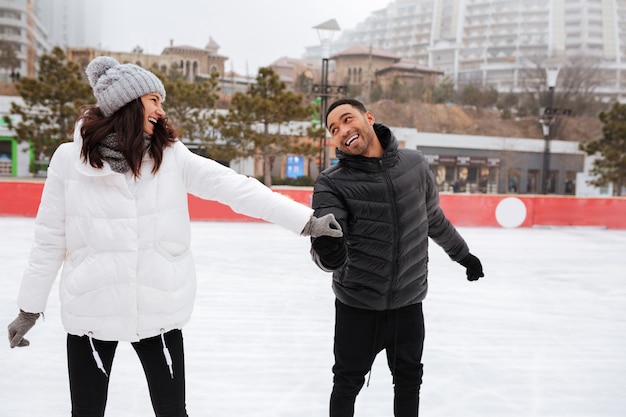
(354, 103)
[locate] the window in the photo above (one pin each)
(570, 183)
(6, 163)
(553, 180)
(513, 180)
(532, 181)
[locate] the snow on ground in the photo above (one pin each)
(543, 334)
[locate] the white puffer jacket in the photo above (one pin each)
(128, 271)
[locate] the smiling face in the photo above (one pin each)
(352, 131)
(152, 111)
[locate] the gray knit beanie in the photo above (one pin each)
(116, 85)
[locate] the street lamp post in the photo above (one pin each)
(546, 122)
(326, 31)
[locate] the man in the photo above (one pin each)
(387, 203)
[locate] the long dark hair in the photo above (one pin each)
(127, 125)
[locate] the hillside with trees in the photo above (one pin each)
(456, 119)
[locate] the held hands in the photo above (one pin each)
(19, 327)
(331, 251)
(474, 269)
(324, 226)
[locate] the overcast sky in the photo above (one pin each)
(251, 33)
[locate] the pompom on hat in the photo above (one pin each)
(115, 85)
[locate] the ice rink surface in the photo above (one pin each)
(543, 334)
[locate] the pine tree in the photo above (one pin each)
(610, 149)
(257, 124)
(52, 103)
(190, 105)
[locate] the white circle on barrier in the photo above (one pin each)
(511, 212)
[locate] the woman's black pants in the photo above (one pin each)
(89, 385)
(359, 336)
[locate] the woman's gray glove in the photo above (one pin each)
(19, 327)
(324, 226)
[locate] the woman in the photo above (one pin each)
(114, 213)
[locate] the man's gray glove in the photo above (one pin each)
(324, 226)
(19, 327)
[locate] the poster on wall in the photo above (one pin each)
(295, 166)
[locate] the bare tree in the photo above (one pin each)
(577, 80)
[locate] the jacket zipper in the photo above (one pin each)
(394, 214)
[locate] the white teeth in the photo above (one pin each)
(352, 139)
(152, 120)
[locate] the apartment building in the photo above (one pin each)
(21, 27)
(495, 42)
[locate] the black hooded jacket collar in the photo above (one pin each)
(390, 149)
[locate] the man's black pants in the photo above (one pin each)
(359, 336)
(89, 385)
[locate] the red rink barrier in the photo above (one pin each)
(21, 198)
(200, 209)
(481, 209)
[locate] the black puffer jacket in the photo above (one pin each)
(387, 207)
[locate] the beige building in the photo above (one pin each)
(357, 65)
(407, 72)
(360, 67)
(296, 72)
(192, 61)
(197, 62)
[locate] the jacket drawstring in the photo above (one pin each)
(395, 349)
(96, 356)
(166, 353)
